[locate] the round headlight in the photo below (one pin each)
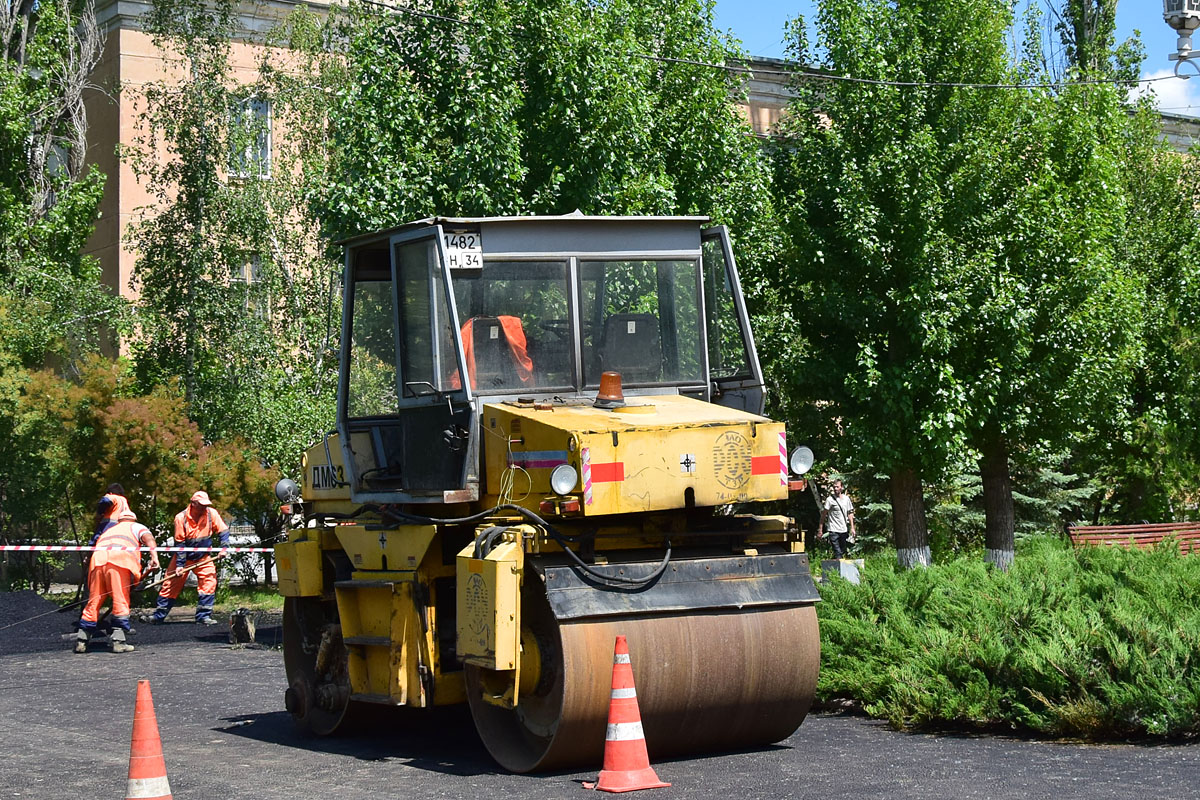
(287, 491)
(801, 460)
(563, 479)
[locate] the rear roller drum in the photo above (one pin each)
(315, 659)
(710, 679)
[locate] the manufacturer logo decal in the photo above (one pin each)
(475, 613)
(731, 460)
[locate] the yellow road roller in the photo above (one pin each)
(549, 432)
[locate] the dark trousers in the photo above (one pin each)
(841, 543)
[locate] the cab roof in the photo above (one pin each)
(574, 218)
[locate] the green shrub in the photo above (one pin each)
(1095, 644)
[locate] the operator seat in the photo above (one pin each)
(496, 353)
(632, 346)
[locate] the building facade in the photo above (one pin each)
(129, 61)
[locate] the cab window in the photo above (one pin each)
(515, 327)
(727, 356)
(641, 319)
(372, 376)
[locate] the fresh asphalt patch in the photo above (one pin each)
(67, 720)
(29, 623)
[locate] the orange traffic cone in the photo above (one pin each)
(147, 770)
(626, 764)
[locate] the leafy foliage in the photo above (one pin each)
(52, 301)
(546, 107)
(868, 180)
(1098, 643)
(68, 439)
(238, 297)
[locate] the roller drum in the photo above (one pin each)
(710, 679)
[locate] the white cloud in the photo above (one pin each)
(1174, 96)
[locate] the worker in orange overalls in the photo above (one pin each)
(112, 573)
(106, 513)
(194, 527)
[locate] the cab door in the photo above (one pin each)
(735, 377)
(424, 450)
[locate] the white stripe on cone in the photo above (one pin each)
(624, 694)
(624, 732)
(148, 787)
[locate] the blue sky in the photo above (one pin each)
(759, 24)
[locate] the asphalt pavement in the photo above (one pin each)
(65, 723)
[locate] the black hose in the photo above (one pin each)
(600, 576)
(419, 519)
(484, 542)
(561, 538)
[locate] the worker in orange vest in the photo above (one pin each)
(113, 572)
(106, 514)
(194, 527)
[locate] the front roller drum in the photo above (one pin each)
(711, 679)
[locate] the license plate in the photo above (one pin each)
(464, 249)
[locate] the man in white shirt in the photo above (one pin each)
(838, 518)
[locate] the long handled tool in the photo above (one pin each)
(141, 587)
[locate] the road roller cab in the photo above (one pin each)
(549, 433)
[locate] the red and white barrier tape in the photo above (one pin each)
(80, 548)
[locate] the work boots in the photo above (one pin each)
(117, 642)
(81, 641)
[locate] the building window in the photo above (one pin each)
(246, 278)
(250, 138)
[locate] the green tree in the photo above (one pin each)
(51, 298)
(238, 297)
(1054, 330)
(869, 179)
(977, 302)
(490, 107)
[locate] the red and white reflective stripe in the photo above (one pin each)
(783, 459)
(621, 658)
(624, 694)
(624, 732)
(585, 458)
(83, 548)
(148, 788)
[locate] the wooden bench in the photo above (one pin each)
(1144, 536)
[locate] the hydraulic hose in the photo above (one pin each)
(483, 545)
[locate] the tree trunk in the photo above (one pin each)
(908, 519)
(997, 503)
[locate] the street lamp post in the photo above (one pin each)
(1184, 17)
